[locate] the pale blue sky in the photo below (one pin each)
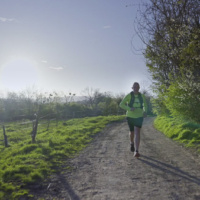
(68, 45)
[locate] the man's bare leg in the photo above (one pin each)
(137, 139)
(131, 135)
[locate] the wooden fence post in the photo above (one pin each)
(48, 123)
(5, 137)
(56, 119)
(34, 132)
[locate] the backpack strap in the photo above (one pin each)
(141, 100)
(133, 99)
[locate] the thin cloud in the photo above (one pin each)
(3, 19)
(106, 27)
(44, 61)
(56, 68)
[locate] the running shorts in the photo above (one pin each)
(134, 122)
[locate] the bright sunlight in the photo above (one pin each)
(18, 74)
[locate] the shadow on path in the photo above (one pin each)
(169, 169)
(68, 188)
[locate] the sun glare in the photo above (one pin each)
(18, 74)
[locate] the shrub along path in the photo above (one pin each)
(106, 169)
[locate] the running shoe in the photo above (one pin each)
(136, 154)
(132, 148)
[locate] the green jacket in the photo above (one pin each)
(138, 112)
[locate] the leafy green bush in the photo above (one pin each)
(183, 98)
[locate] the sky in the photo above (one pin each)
(65, 45)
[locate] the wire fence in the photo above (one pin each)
(45, 121)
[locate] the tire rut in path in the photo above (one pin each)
(107, 170)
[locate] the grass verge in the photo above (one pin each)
(24, 163)
(185, 132)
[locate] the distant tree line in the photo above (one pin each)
(29, 104)
(170, 30)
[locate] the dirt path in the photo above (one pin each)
(107, 170)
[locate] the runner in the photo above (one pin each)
(135, 105)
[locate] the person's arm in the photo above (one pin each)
(144, 106)
(124, 103)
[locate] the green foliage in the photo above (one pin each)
(108, 107)
(190, 57)
(183, 99)
(171, 32)
(24, 163)
(23, 106)
(158, 105)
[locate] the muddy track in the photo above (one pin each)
(107, 170)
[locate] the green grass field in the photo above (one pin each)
(187, 133)
(24, 162)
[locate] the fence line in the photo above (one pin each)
(35, 123)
